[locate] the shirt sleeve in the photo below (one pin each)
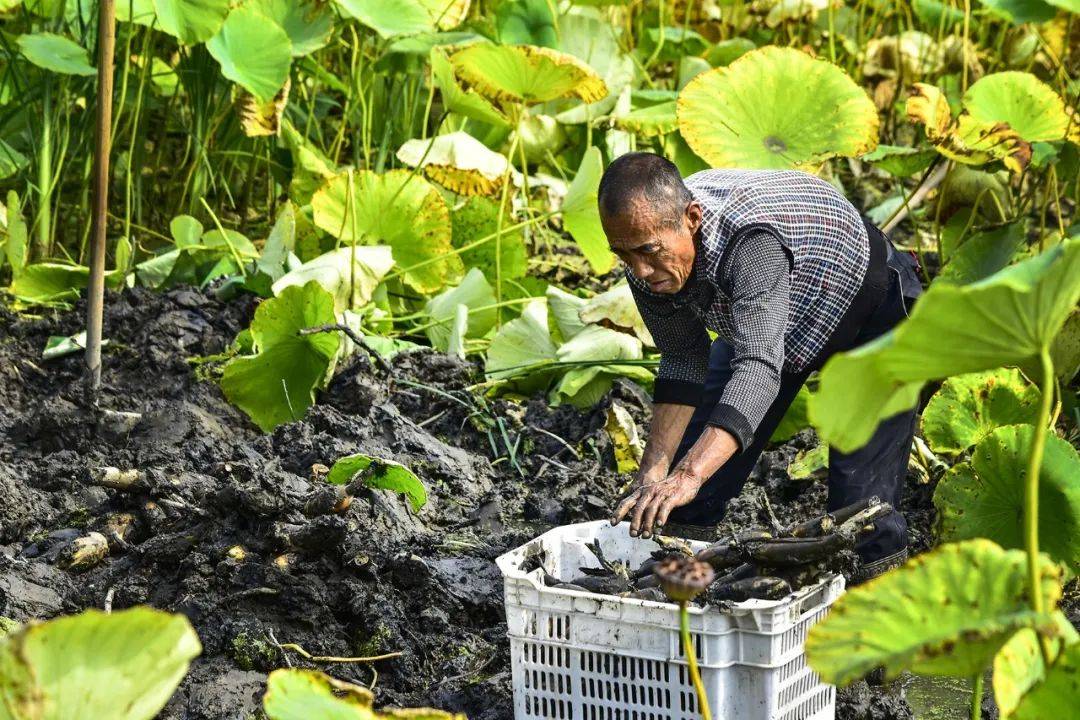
(683, 343)
(756, 276)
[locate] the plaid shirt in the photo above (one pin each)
(781, 256)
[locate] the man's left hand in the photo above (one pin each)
(649, 505)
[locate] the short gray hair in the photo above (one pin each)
(647, 175)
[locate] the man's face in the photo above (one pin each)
(656, 250)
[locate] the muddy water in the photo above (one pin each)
(934, 698)
(378, 578)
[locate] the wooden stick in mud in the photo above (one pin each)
(95, 288)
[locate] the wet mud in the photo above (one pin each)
(218, 525)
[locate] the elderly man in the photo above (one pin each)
(785, 271)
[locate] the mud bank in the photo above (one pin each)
(217, 529)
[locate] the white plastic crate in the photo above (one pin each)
(585, 656)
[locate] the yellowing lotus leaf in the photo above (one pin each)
(406, 17)
(1026, 104)
(927, 105)
(527, 74)
(458, 162)
(398, 209)
(260, 119)
(615, 308)
(794, 10)
(458, 99)
(776, 108)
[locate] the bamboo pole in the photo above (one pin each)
(102, 145)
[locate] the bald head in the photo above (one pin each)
(641, 177)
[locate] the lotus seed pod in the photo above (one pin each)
(683, 578)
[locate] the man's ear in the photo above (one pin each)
(694, 214)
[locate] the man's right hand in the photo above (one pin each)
(652, 502)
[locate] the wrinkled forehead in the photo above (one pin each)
(638, 219)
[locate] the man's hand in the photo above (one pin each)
(650, 503)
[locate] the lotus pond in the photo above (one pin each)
(362, 332)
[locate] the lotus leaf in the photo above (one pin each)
(55, 53)
(380, 474)
(397, 209)
(807, 463)
(900, 161)
(185, 230)
(263, 119)
(473, 293)
(1028, 105)
(311, 168)
(965, 140)
(1005, 319)
(985, 497)
(566, 309)
(626, 442)
(406, 17)
(946, 612)
(784, 10)
(1019, 667)
(1066, 349)
(253, 51)
(331, 270)
(1054, 695)
(650, 121)
(541, 136)
(191, 21)
(983, 254)
(909, 55)
(457, 161)
(595, 343)
(967, 408)
(776, 108)
(678, 42)
(11, 160)
(581, 218)
(726, 52)
(526, 22)
(1022, 11)
(527, 74)
(48, 283)
(521, 347)
(15, 247)
(476, 219)
(95, 666)
(311, 695)
(277, 384)
(796, 419)
(584, 387)
(307, 23)
(586, 34)
(465, 102)
(140, 12)
(616, 307)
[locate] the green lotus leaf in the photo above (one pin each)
(796, 419)
(1023, 11)
(776, 108)
(457, 99)
(541, 137)
(11, 161)
(984, 253)
(94, 665)
(474, 293)
(406, 17)
(140, 12)
(1054, 692)
(478, 218)
(726, 52)
(946, 612)
(311, 168)
(678, 42)
(1005, 319)
(380, 474)
(457, 161)
(521, 348)
(966, 188)
(600, 343)
(277, 384)
(566, 311)
(49, 284)
(16, 247)
(900, 161)
(396, 209)
(935, 14)
(55, 53)
(587, 34)
(526, 22)
(615, 308)
(1066, 349)
(985, 497)
(351, 287)
(253, 51)
(527, 74)
(1019, 666)
(650, 121)
(581, 218)
(1029, 106)
(585, 387)
(185, 230)
(307, 23)
(191, 21)
(967, 408)
(807, 463)
(306, 694)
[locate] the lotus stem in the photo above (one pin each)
(1031, 490)
(976, 697)
(691, 661)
